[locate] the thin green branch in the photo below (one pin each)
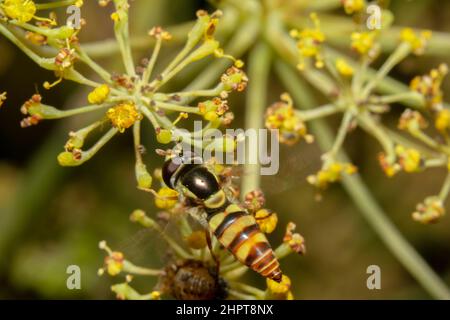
(319, 112)
(258, 69)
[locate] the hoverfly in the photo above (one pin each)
(192, 280)
(219, 213)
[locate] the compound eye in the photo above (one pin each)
(168, 170)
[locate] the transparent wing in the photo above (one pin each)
(173, 228)
(296, 163)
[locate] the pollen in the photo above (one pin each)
(99, 94)
(123, 115)
(20, 10)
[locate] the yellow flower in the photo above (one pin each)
(213, 109)
(254, 200)
(412, 121)
(430, 211)
(293, 239)
(20, 10)
(331, 173)
(197, 240)
(364, 43)
(155, 295)
(429, 85)
(164, 136)
(442, 121)
(281, 116)
(418, 42)
(352, 6)
(409, 159)
(344, 68)
(124, 115)
(234, 79)
(158, 32)
(279, 287)
(2, 98)
(114, 263)
(166, 199)
(143, 177)
(390, 168)
(309, 42)
(99, 94)
(267, 220)
(36, 38)
(280, 290)
(115, 16)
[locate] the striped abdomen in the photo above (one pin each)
(238, 231)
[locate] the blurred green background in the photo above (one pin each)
(52, 217)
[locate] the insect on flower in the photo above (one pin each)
(234, 227)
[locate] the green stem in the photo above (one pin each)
(342, 133)
(152, 62)
(121, 31)
(46, 63)
(54, 4)
(319, 112)
(237, 46)
(87, 155)
(94, 66)
(258, 69)
(129, 267)
(175, 107)
(368, 124)
(399, 97)
(369, 208)
(257, 293)
(395, 58)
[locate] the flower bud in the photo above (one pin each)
(99, 94)
(267, 220)
(167, 198)
(140, 217)
(223, 144)
(143, 177)
(196, 240)
(164, 136)
(67, 159)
